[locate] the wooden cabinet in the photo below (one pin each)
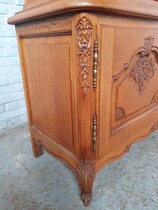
(90, 72)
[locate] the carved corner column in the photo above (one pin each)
(86, 175)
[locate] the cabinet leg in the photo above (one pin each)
(86, 175)
(36, 148)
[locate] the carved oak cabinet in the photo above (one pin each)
(90, 72)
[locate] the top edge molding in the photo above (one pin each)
(140, 8)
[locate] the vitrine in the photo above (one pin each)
(90, 72)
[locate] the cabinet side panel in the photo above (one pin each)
(48, 73)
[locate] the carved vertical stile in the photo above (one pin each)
(86, 100)
(84, 49)
(88, 67)
(84, 29)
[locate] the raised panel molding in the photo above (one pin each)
(138, 72)
(141, 66)
(50, 77)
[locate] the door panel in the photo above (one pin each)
(128, 84)
(135, 73)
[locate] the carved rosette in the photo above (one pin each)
(86, 175)
(141, 66)
(84, 29)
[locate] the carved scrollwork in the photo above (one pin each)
(84, 30)
(141, 66)
(86, 175)
(120, 114)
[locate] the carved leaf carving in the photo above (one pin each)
(86, 175)
(84, 30)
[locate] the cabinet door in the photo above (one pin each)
(128, 84)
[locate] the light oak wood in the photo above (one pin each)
(36, 9)
(83, 119)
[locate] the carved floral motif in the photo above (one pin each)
(140, 69)
(143, 68)
(84, 30)
(142, 65)
(86, 175)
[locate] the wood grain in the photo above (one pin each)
(49, 27)
(57, 53)
(143, 8)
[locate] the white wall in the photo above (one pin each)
(12, 102)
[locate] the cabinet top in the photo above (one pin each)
(35, 9)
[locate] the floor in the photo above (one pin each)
(46, 184)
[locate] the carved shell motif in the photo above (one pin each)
(84, 30)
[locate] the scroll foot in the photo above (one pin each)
(86, 175)
(86, 198)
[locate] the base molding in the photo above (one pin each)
(84, 170)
